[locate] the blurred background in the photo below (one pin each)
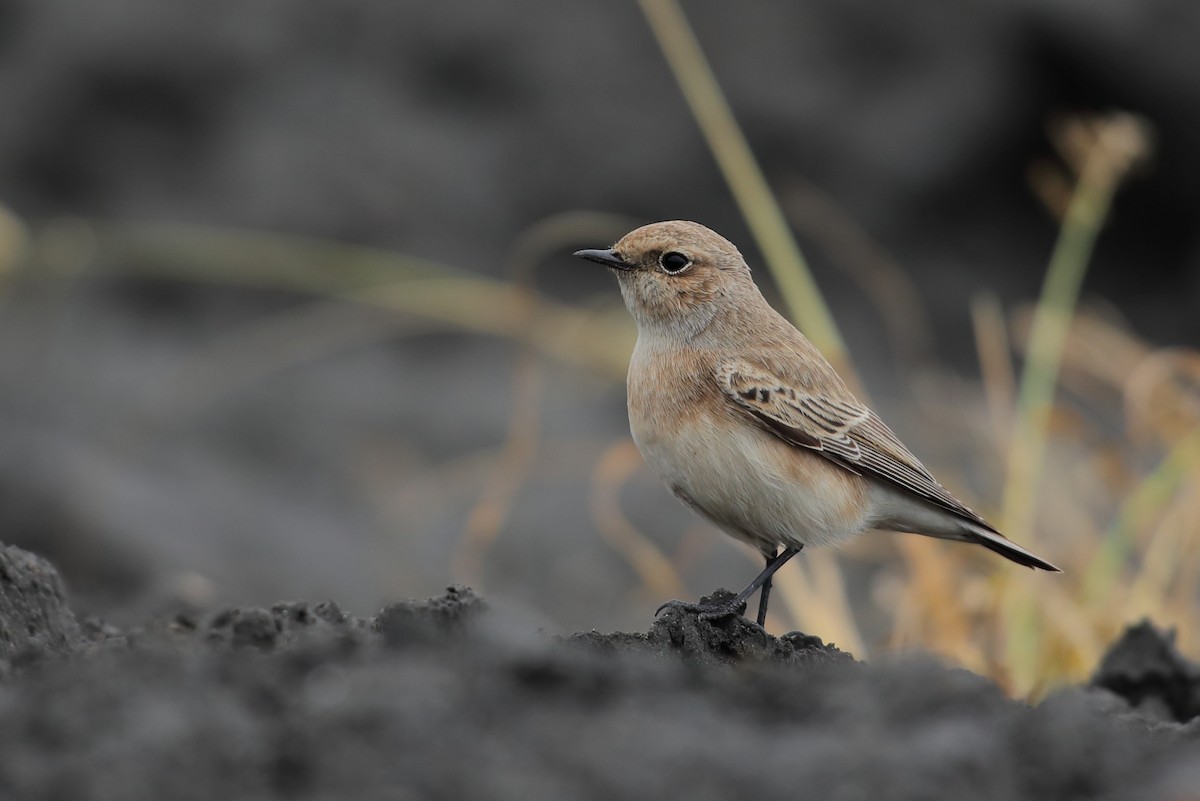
(288, 308)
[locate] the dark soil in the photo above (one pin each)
(448, 699)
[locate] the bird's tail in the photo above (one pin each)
(1007, 548)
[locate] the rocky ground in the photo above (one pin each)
(447, 699)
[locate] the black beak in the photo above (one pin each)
(608, 258)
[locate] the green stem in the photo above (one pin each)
(1084, 220)
(745, 178)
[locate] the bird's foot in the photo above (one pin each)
(729, 606)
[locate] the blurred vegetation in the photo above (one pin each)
(1118, 510)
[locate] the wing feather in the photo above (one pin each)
(839, 428)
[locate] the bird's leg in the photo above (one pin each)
(735, 605)
(766, 587)
(774, 562)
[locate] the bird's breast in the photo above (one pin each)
(750, 483)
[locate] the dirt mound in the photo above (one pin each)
(448, 699)
(34, 617)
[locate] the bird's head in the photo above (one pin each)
(677, 277)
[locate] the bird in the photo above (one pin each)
(744, 420)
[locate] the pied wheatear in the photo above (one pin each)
(750, 426)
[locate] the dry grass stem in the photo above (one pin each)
(1101, 152)
(745, 178)
(882, 280)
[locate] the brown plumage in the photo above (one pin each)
(750, 426)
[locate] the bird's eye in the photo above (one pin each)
(674, 262)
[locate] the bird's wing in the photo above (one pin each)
(836, 426)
